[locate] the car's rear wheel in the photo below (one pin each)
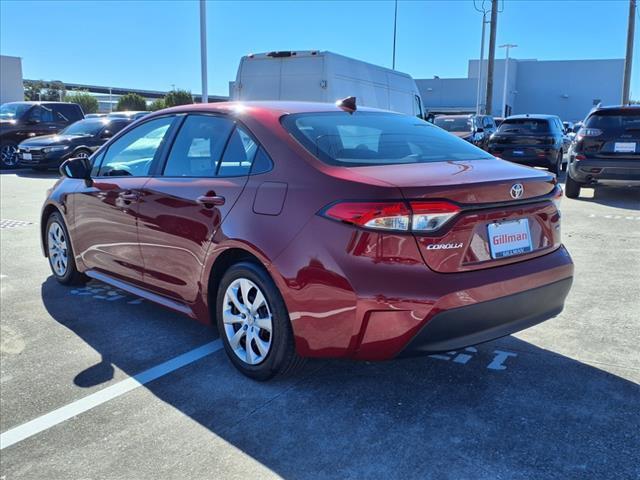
(254, 324)
(572, 188)
(8, 155)
(60, 253)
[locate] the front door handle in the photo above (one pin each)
(129, 197)
(210, 201)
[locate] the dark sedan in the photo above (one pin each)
(80, 139)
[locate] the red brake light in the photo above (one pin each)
(422, 216)
(580, 157)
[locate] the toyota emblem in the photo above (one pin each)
(517, 190)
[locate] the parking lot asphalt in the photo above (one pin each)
(559, 400)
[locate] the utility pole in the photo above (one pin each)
(481, 66)
(395, 23)
(626, 83)
(492, 55)
(203, 49)
(506, 77)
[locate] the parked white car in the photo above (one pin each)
(316, 76)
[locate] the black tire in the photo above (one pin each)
(81, 152)
(71, 275)
(7, 163)
(281, 358)
(555, 167)
(572, 188)
(564, 165)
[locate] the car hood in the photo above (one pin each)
(47, 140)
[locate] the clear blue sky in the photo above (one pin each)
(155, 44)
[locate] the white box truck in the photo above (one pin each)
(316, 76)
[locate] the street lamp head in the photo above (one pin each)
(508, 45)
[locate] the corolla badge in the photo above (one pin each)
(444, 246)
(517, 190)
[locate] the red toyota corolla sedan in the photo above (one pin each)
(313, 230)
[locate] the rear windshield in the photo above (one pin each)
(616, 122)
(524, 125)
(376, 138)
(454, 124)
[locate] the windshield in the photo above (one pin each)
(84, 127)
(530, 126)
(455, 124)
(616, 122)
(13, 111)
(372, 138)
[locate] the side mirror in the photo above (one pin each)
(79, 168)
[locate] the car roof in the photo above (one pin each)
(44, 102)
(616, 107)
(278, 107)
(460, 115)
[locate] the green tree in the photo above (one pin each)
(178, 97)
(45, 91)
(131, 101)
(157, 104)
(88, 102)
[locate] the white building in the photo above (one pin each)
(11, 89)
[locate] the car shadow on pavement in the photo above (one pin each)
(507, 410)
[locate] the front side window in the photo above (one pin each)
(84, 128)
(373, 138)
(198, 146)
(41, 114)
(133, 153)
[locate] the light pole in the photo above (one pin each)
(507, 46)
(203, 49)
(481, 65)
(395, 23)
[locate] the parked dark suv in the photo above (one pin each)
(474, 129)
(535, 140)
(606, 150)
(22, 120)
(78, 140)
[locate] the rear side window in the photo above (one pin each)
(66, 113)
(198, 146)
(616, 123)
(525, 126)
(373, 138)
(41, 113)
(239, 154)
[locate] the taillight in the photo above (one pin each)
(580, 156)
(588, 132)
(557, 197)
(417, 216)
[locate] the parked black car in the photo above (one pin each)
(80, 139)
(475, 129)
(535, 140)
(23, 120)
(606, 150)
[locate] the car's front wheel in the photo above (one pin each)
(254, 324)
(8, 155)
(572, 188)
(60, 253)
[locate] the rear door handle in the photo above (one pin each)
(210, 201)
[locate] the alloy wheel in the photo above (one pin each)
(57, 246)
(9, 155)
(82, 155)
(247, 321)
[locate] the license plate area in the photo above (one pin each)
(624, 147)
(509, 238)
(26, 156)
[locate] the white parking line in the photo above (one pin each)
(62, 414)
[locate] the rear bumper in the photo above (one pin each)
(605, 171)
(473, 324)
